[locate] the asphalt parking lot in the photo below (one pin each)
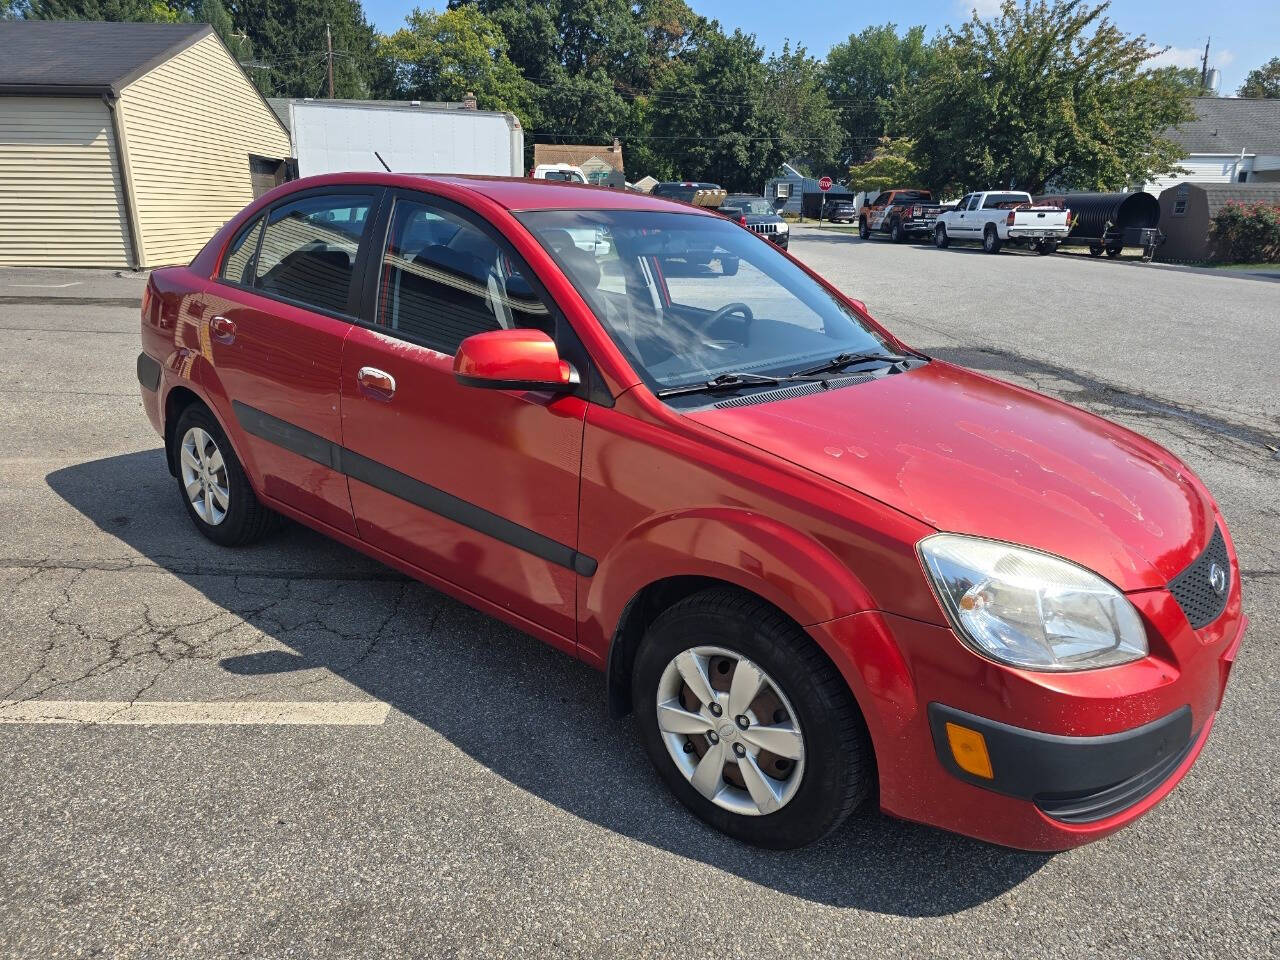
(457, 788)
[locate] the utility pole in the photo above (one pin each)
(1204, 67)
(328, 39)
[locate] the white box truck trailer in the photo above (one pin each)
(336, 136)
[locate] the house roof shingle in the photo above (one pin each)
(89, 57)
(1229, 125)
(1218, 195)
(577, 154)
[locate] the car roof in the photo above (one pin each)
(513, 193)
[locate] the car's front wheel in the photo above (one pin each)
(748, 722)
(214, 487)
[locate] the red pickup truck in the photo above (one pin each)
(901, 214)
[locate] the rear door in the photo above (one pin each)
(478, 487)
(274, 323)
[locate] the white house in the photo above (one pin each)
(1232, 140)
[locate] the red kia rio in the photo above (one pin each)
(819, 565)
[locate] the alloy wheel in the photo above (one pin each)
(204, 476)
(730, 730)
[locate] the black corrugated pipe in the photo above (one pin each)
(1095, 215)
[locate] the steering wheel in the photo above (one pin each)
(726, 310)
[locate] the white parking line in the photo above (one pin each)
(148, 712)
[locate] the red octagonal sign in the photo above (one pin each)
(824, 184)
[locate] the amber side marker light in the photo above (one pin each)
(970, 751)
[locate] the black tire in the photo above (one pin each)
(896, 233)
(839, 771)
(729, 266)
(246, 520)
(1114, 252)
(940, 238)
(864, 231)
(991, 242)
(1095, 249)
(1046, 247)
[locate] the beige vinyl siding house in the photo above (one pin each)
(58, 161)
(125, 144)
(191, 125)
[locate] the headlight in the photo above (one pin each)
(1030, 609)
(782, 227)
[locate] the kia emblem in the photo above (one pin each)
(1218, 578)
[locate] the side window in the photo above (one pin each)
(974, 201)
(443, 279)
(235, 267)
(309, 250)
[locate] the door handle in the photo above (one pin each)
(223, 329)
(378, 382)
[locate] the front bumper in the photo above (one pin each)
(920, 225)
(1074, 756)
(781, 239)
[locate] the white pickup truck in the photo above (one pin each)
(996, 217)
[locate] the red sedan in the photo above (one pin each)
(818, 565)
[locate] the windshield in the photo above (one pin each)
(755, 206)
(688, 298)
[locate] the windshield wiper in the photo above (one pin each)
(726, 381)
(840, 361)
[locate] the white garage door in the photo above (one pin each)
(60, 197)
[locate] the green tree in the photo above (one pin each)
(290, 60)
(862, 74)
(797, 109)
(1263, 83)
(443, 56)
(1189, 77)
(147, 11)
(890, 166)
(1043, 93)
(711, 118)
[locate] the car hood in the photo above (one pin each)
(969, 454)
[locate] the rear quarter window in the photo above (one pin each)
(237, 267)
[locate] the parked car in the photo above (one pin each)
(563, 172)
(996, 217)
(819, 565)
(698, 193)
(902, 214)
(757, 215)
(842, 211)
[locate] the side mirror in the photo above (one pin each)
(521, 359)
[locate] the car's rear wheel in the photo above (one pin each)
(864, 231)
(213, 484)
(748, 722)
(991, 240)
(896, 233)
(940, 238)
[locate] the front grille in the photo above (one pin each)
(1193, 588)
(763, 227)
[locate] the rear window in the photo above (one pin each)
(236, 268)
(910, 196)
(309, 250)
(1004, 201)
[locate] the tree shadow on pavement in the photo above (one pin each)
(530, 714)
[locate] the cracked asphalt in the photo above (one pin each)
(499, 811)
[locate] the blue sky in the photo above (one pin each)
(1245, 33)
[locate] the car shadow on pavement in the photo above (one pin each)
(530, 714)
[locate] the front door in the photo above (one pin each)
(478, 487)
(277, 315)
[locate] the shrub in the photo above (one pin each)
(1247, 234)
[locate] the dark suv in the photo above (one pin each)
(758, 216)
